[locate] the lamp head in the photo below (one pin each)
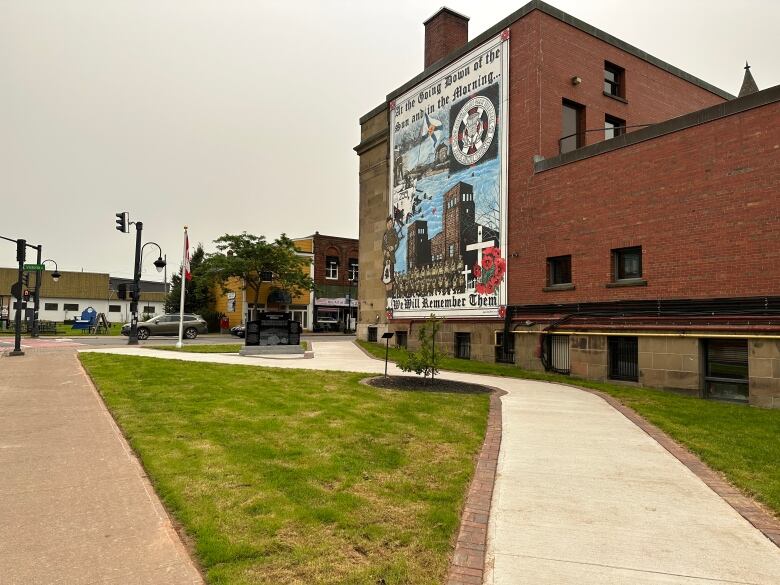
(55, 276)
(159, 264)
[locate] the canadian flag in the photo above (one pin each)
(187, 273)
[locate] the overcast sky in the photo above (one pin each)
(241, 115)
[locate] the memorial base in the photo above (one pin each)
(271, 350)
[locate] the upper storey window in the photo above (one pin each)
(614, 80)
(572, 126)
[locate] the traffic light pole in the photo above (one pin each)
(37, 293)
(133, 338)
(21, 251)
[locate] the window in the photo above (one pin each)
(726, 375)
(70, 307)
(401, 338)
(463, 346)
(628, 263)
(266, 276)
(51, 306)
(559, 270)
(572, 126)
(508, 356)
(623, 358)
(148, 309)
(558, 353)
(352, 273)
(614, 80)
(331, 267)
(372, 334)
(114, 308)
(613, 127)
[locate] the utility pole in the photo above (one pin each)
(135, 295)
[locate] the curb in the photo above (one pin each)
(468, 560)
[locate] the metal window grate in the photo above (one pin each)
(508, 356)
(463, 346)
(558, 350)
(401, 339)
(372, 334)
(623, 358)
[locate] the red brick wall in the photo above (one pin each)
(702, 202)
(444, 33)
(545, 54)
(343, 248)
(652, 94)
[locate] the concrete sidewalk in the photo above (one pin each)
(75, 505)
(583, 496)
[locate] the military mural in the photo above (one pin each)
(443, 242)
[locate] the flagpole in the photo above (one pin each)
(183, 286)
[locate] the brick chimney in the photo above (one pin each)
(445, 31)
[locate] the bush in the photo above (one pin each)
(424, 361)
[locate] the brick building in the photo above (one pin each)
(635, 209)
(334, 268)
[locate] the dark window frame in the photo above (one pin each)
(614, 80)
(353, 269)
(564, 144)
(402, 339)
(51, 306)
(623, 358)
(619, 256)
(507, 357)
(559, 270)
(70, 306)
(330, 262)
(114, 308)
(462, 345)
(617, 126)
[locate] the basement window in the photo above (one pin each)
(463, 346)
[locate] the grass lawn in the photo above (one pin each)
(739, 441)
(210, 348)
(299, 477)
(64, 330)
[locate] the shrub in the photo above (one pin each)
(423, 361)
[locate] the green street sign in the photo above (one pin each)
(34, 267)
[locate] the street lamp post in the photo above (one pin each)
(55, 276)
(136, 294)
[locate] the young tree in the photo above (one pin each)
(424, 361)
(198, 295)
(251, 258)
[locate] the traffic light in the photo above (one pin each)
(25, 295)
(123, 222)
(21, 250)
(26, 279)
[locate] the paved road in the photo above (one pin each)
(583, 496)
(75, 505)
(50, 343)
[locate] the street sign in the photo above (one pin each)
(34, 267)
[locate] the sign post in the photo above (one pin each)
(386, 337)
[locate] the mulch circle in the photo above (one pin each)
(425, 385)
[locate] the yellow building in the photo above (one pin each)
(233, 300)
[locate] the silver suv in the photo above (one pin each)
(169, 325)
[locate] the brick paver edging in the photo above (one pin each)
(745, 506)
(468, 560)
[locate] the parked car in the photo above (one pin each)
(169, 325)
(238, 331)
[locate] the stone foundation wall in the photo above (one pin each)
(588, 356)
(673, 363)
(764, 372)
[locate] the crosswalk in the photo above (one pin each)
(45, 343)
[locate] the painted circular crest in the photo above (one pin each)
(474, 130)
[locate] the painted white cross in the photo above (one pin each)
(465, 273)
(480, 245)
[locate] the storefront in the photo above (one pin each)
(335, 314)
